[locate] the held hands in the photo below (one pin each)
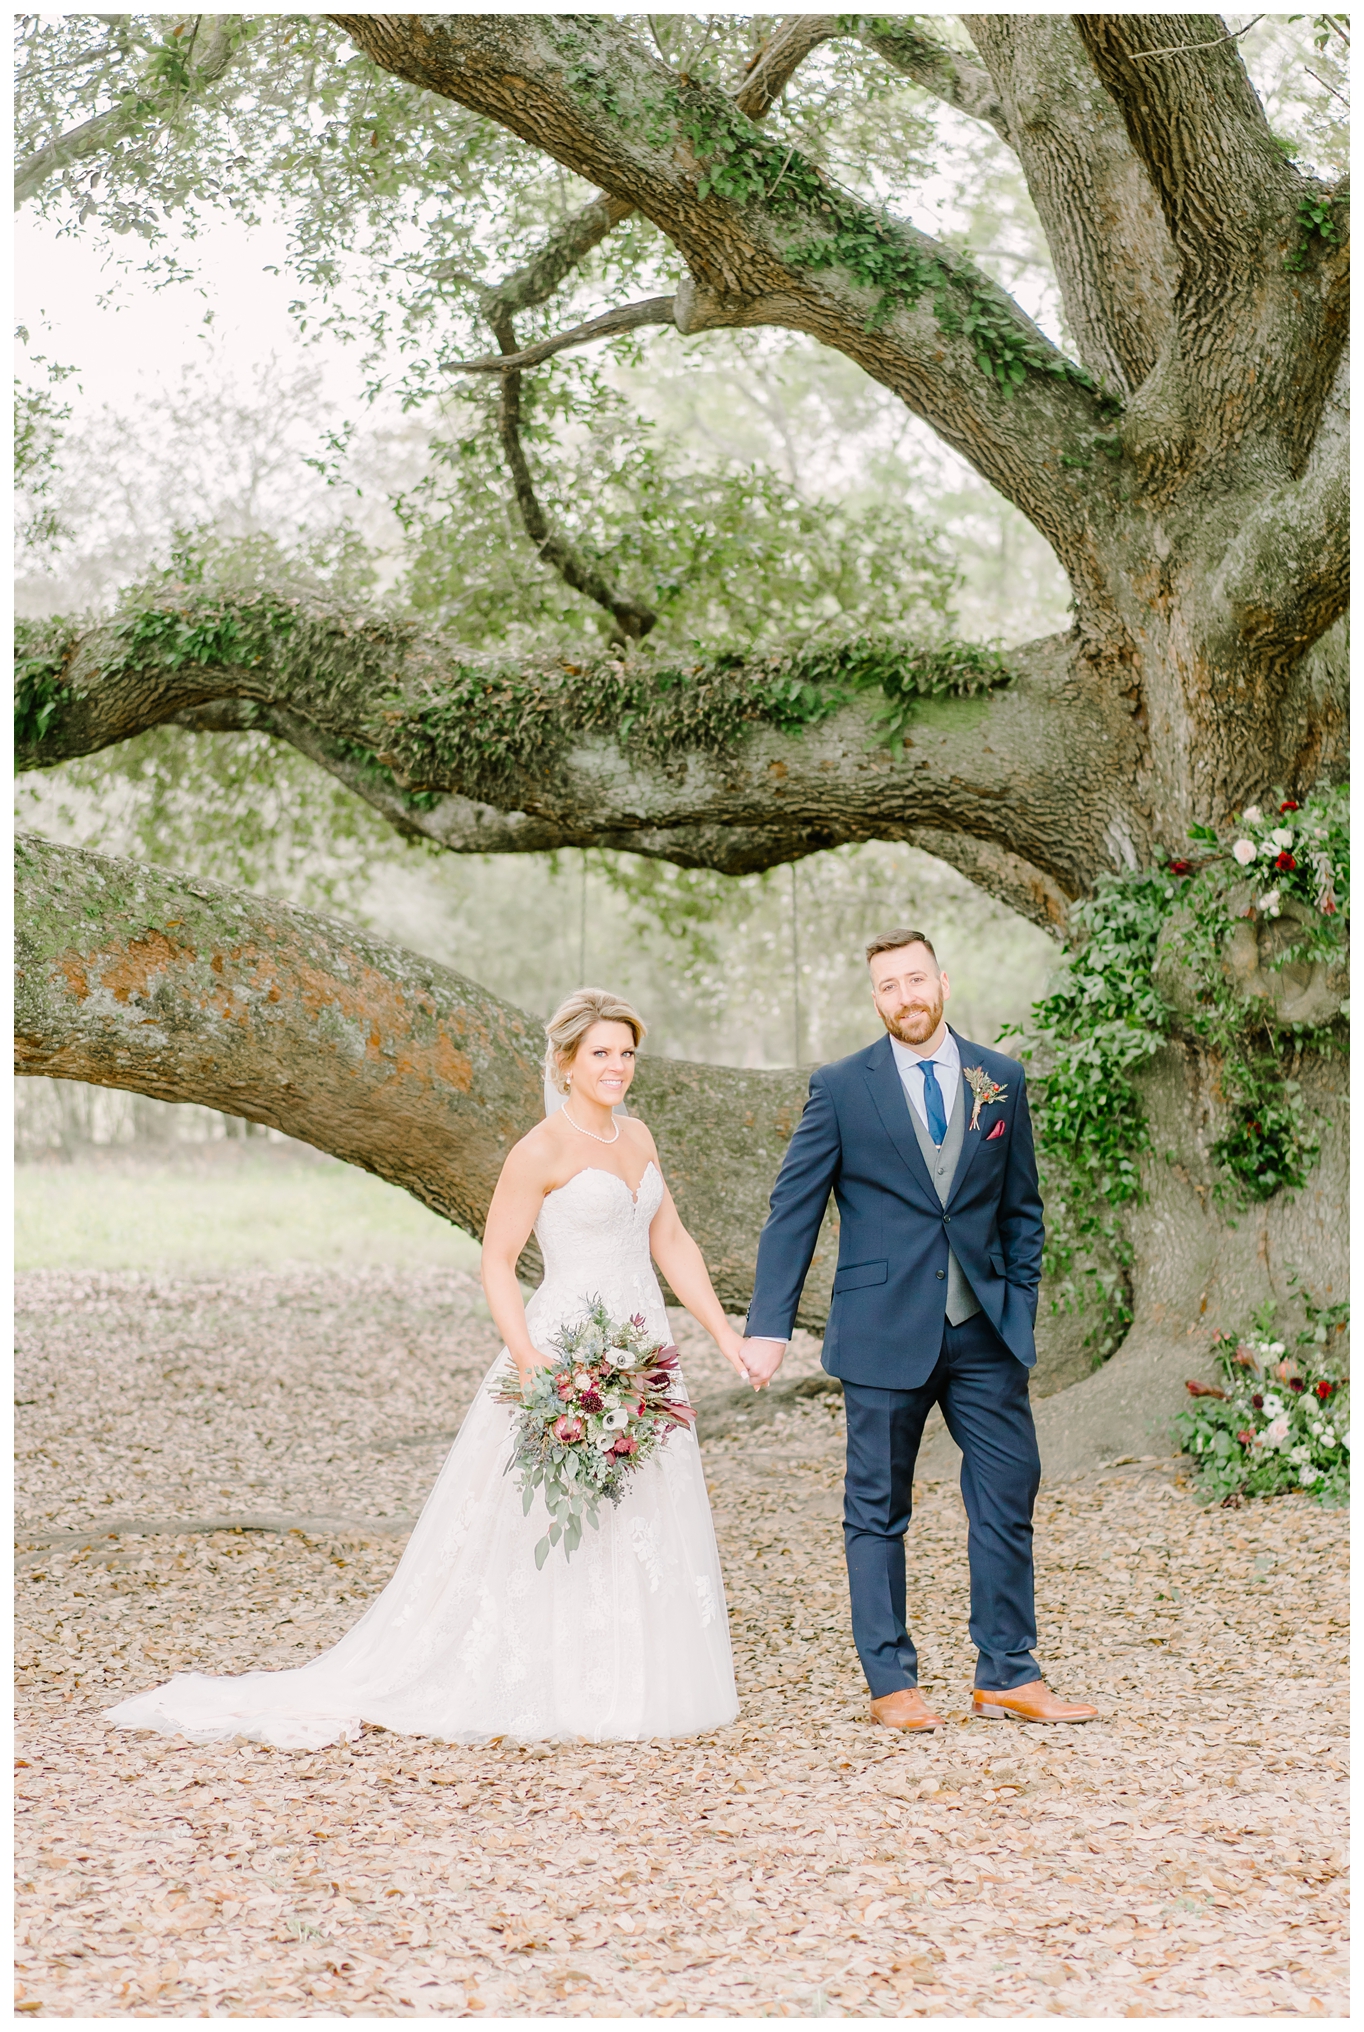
(762, 1359)
(731, 1346)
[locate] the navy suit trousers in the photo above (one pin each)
(983, 1391)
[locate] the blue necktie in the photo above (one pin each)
(933, 1107)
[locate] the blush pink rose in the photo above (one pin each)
(568, 1430)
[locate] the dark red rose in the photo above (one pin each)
(1324, 1390)
(1181, 867)
(1286, 863)
(1296, 1383)
(1288, 805)
(590, 1401)
(1245, 1439)
(1258, 1402)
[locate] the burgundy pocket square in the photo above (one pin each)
(998, 1130)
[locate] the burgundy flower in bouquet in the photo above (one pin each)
(589, 1420)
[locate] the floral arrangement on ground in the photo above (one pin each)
(589, 1420)
(1283, 1421)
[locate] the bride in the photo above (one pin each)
(468, 1641)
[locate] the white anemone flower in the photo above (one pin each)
(1244, 851)
(1273, 1406)
(616, 1421)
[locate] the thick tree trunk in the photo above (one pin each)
(1199, 1266)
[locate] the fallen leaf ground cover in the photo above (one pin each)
(1182, 1856)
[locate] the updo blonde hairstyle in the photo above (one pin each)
(571, 1022)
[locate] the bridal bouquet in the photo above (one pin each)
(588, 1422)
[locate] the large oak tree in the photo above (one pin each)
(1187, 467)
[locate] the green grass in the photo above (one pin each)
(223, 1211)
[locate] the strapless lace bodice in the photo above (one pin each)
(594, 1238)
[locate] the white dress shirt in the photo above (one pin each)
(946, 1064)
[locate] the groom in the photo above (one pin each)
(925, 1142)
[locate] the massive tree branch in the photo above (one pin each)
(1199, 128)
(222, 39)
(1108, 239)
(536, 281)
(1034, 780)
(1258, 327)
(768, 242)
(131, 977)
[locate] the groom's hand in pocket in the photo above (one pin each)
(762, 1359)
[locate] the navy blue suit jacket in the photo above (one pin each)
(856, 1140)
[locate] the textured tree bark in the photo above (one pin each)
(190, 991)
(1096, 202)
(1029, 787)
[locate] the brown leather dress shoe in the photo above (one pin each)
(1034, 1702)
(904, 1710)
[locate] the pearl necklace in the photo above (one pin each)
(591, 1132)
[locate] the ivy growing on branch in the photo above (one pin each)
(745, 166)
(478, 721)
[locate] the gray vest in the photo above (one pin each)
(962, 1302)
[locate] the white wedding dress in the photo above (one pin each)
(627, 1639)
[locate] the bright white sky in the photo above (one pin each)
(146, 334)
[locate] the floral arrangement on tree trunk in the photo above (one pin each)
(1282, 1423)
(591, 1419)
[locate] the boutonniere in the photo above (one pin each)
(984, 1088)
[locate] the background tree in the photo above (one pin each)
(1184, 459)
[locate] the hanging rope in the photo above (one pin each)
(582, 924)
(795, 963)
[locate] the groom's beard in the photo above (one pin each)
(915, 1023)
